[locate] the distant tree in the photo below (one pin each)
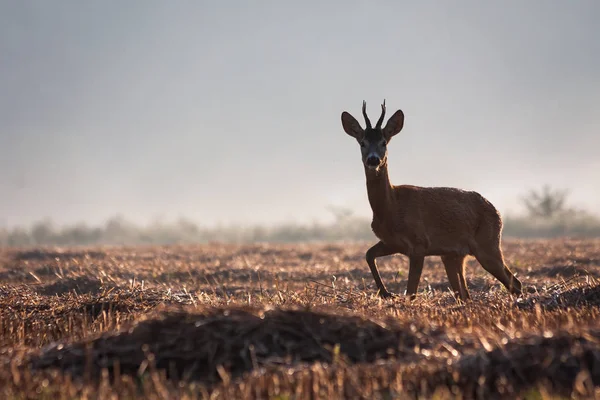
(43, 232)
(341, 214)
(546, 203)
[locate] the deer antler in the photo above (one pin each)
(380, 121)
(364, 110)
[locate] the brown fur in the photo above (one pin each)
(426, 221)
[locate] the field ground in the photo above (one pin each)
(294, 321)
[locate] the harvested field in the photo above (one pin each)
(294, 322)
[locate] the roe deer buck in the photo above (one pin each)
(425, 221)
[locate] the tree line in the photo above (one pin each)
(548, 215)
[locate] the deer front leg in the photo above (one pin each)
(379, 250)
(414, 275)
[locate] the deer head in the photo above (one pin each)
(373, 141)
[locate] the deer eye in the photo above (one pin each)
(363, 144)
(383, 144)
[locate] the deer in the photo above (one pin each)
(425, 221)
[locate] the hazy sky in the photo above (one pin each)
(230, 111)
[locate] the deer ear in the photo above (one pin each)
(351, 126)
(394, 125)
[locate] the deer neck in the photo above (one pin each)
(379, 190)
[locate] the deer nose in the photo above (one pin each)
(373, 161)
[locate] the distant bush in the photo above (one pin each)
(549, 216)
(574, 224)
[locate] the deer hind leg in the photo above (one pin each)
(487, 251)
(463, 281)
(414, 275)
(492, 260)
(379, 250)
(455, 269)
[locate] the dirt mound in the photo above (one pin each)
(565, 296)
(196, 346)
(563, 362)
(580, 296)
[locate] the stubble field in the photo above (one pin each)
(294, 322)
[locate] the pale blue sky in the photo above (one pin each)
(230, 111)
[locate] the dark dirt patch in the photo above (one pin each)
(49, 255)
(564, 271)
(79, 285)
(125, 301)
(575, 260)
